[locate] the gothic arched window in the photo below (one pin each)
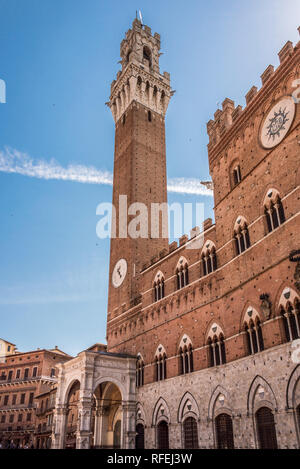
(160, 364)
(140, 372)
(190, 432)
(224, 431)
(266, 428)
(216, 347)
(236, 173)
(291, 320)
(147, 55)
(274, 211)
(140, 436)
(241, 236)
(186, 359)
(139, 84)
(159, 287)
(182, 273)
(209, 258)
(162, 435)
(254, 337)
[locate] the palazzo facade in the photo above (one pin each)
(202, 335)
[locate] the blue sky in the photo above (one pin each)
(58, 58)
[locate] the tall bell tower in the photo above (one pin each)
(139, 100)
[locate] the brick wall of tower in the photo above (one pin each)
(139, 173)
(223, 296)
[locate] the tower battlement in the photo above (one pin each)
(140, 78)
(227, 117)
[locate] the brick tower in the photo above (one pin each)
(139, 99)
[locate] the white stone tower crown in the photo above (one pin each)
(140, 79)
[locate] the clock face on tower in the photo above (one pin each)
(119, 273)
(278, 122)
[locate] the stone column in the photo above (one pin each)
(84, 430)
(60, 418)
(85, 402)
(101, 412)
(97, 428)
(129, 424)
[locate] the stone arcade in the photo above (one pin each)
(110, 379)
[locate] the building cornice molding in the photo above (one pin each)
(153, 91)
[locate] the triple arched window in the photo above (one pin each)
(255, 342)
(253, 329)
(217, 352)
(241, 235)
(182, 273)
(161, 367)
(216, 346)
(186, 358)
(209, 258)
(159, 287)
(160, 364)
(274, 211)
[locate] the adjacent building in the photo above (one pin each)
(23, 378)
(44, 408)
(6, 348)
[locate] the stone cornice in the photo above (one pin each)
(135, 83)
(133, 69)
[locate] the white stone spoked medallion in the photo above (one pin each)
(119, 273)
(278, 122)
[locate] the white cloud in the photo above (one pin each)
(188, 186)
(13, 161)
